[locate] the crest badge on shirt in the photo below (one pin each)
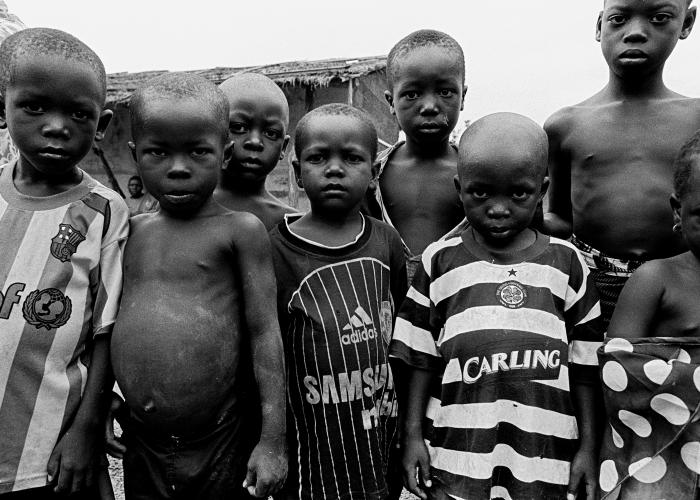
(48, 308)
(385, 321)
(66, 242)
(511, 294)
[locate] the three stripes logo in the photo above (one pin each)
(359, 329)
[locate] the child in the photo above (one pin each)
(339, 276)
(258, 121)
(425, 74)
(138, 201)
(654, 377)
(661, 298)
(611, 156)
(506, 317)
(195, 273)
(60, 266)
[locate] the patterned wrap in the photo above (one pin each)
(651, 447)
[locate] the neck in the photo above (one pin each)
(30, 181)
(647, 86)
(427, 151)
(333, 221)
(245, 188)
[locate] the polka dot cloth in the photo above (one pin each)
(651, 447)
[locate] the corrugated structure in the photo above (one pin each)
(306, 84)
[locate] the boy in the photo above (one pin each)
(138, 201)
(194, 274)
(504, 320)
(611, 156)
(60, 266)
(258, 121)
(339, 276)
(425, 75)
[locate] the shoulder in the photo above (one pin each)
(655, 272)
(565, 256)
(244, 226)
(560, 122)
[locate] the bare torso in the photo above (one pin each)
(175, 345)
(621, 157)
(420, 197)
(267, 208)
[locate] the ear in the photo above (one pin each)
(390, 99)
(132, 147)
(688, 22)
(545, 186)
(374, 181)
(297, 173)
(103, 123)
(676, 207)
(464, 93)
(598, 26)
(458, 186)
(228, 152)
(284, 146)
(3, 121)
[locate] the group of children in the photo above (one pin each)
(252, 344)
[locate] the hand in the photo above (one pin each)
(583, 469)
(416, 466)
(113, 444)
(267, 467)
(71, 464)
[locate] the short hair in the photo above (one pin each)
(259, 83)
(176, 86)
(688, 157)
(135, 178)
(335, 109)
(46, 42)
(419, 39)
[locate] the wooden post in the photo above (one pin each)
(351, 90)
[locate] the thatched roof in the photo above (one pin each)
(307, 73)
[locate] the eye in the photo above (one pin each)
(446, 93)
(33, 108)
(660, 18)
(238, 128)
(520, 195)
(479, 194)
(354, 158)
(314, 158)
(616, 19)
(156, 153)
(410, 95)
(199, 152)
(80, 115)
(272, 134)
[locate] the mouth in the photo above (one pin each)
(50, 153)
(179, 197)
(334, 188)
(250, 163)
(633, 55)
(431, 127)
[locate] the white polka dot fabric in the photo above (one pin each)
(651, 447)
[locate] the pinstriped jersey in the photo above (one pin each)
(336, 313)
(60, 283)
(505, 341)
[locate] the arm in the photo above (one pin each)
(638, 303)
(267, 466)
(415, 461)
(558, 220)
(584, 464)
(71, 463)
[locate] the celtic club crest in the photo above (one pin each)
(511, 294)
(66, 242)
(47, 308)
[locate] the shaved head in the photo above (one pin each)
(503, 134)
(255, 86)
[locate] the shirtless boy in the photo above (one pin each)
(425, 75)
(611, 156)
(194, 273)
(258, 121)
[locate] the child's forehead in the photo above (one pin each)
(173, 112)
(337, 129)
(645, 4)
(258, 105)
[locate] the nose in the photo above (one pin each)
(429, 105)
(498, 210)
(55, 126)
(254, 141)
(636, 31)
(179, 169)
(334, 167)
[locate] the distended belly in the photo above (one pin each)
(175, 363)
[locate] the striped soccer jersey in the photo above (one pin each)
(503, 339)
(336, 312)
(60, 283)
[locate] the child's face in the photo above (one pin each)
(135, 187)
(428, 94)
(335, 164)
(258, 128)
(500, 193)
(637, 36)
(53, 111)
(687, 210)
(179, 151)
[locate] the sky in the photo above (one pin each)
(531, 57)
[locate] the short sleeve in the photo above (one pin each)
(106, 281)
(415, 333)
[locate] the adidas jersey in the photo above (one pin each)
(60, 283)
(336, 310)
(504, 340)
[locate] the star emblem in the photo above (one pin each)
(512, 272)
